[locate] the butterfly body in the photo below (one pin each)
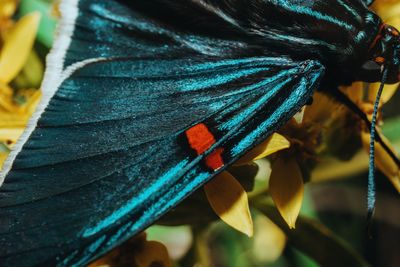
(157, 97)
(338, 33)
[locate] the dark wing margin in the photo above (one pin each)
(107, 157)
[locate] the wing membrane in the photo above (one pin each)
(108, 155)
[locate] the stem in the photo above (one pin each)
(201, 247)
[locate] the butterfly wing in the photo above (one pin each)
(110, 155)
(368, 2)
(112, 151)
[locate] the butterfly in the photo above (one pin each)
(145, 101)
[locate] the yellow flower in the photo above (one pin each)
(302, 147)
(229, 201)
(17, 44)
(389, 11)
(310, 138)
(286, 186)
(291, 167)
(365, 99)
(228, 198)
(7, 9)
(269, 241)
(138, 252)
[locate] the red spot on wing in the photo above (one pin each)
(214, 160)
(200, 139)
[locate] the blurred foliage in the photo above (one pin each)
(26, 33)
(302, 190)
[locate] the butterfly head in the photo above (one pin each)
(384, 55)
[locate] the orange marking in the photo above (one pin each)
(200, 138)
(380, 60)
(214, 160)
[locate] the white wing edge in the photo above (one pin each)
(53, 76)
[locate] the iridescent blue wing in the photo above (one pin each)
(368, 2)
(110, 154)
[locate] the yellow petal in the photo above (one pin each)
(6, 99)
(321, 110)
(330, 168)
(229, 201)
(269, 240)
(388, 10)
(287, 189)
(13, 115)
(3, 154)
(33, 98)
(55, 9)
(355, 92)
(7, 8)
(31, 74)
(383, 161)
(153, 253)
(136, 252)
(298, 117)
(388, 92)
(10, 135)
(3, 157)
(17, 46)
(274, 143)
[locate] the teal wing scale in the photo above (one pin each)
(110, 153)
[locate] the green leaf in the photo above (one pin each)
(4, 148)
(32, 73)
(48, 22)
